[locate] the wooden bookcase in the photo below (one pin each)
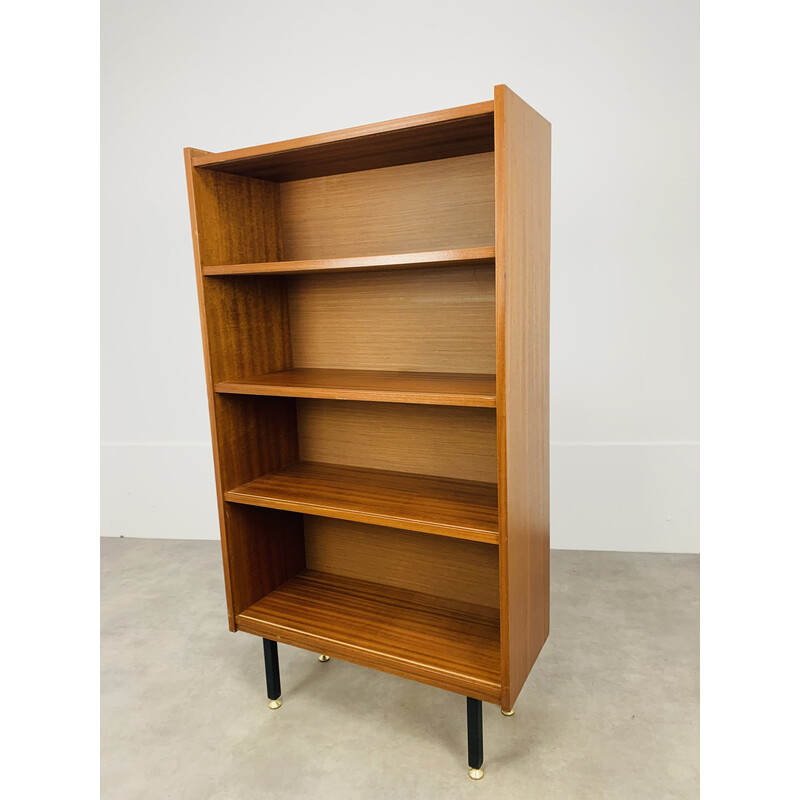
(375, 318)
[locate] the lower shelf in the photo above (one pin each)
(429, 639)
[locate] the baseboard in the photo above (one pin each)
(640, 497)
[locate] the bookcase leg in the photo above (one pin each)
(323, 658)
(475, 738)
(273, 673)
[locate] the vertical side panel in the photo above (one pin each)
(265, 549)
(189, 153)
(522, 202)
(256, 435)
(247, 318)
(237, 218)
(257, 550)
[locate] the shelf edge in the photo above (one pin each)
(470, 256)
(363, 395)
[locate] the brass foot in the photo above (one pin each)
(273, 704)
(324, 658)
(507, 713)
(476, 774)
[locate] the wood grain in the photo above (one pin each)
(429, 639)
(248, 325)
(431, 504)
(440, 134)
(433, 388)
(423, 320)
(237, 220)
(256, 435)
(266, 547)
(451, 442)
(523, 345)
(195, 217)
(450, 568)
(431, 258)
(437, 205)
(244, 332)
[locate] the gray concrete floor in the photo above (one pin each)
(609, 711)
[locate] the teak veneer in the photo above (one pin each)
(431, 388)
(396, 630)
(466, 256)
(374, 304)
(425, 503)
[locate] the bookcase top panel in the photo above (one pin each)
(460, 131)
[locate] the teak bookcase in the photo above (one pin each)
(375, 317)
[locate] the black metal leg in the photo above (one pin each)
(475, 737)
(273, 673)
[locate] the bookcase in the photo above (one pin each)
(375, 316)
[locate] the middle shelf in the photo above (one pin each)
(460, 509)
(434, 388)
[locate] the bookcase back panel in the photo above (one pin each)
(450, 568)
(434, 205)
(422, 320)
(428, 440)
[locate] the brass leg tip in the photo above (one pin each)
(476, 774)
(324, 658)
(507, 713)
(273, 704)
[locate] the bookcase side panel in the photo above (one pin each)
(248, 325)
(522, 151)
(266, 547)
(237, 218)
(191, 172)
(245, 327)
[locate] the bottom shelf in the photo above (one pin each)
(430, 639)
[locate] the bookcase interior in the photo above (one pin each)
(428, 606)
(434, 205)
(424, 337)
(439, 319)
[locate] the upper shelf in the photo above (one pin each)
(432, 258)
(426, 137)
(427, 388)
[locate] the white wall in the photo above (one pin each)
(618, 80)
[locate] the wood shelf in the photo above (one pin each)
(427, 388)
(429, 504)
(433, 640)
(466, 256)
